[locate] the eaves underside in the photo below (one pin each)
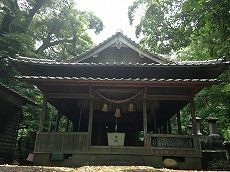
(130, 82)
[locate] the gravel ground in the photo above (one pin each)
(16, 168)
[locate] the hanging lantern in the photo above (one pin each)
(131, 107)
(105, 107)
(117, 113)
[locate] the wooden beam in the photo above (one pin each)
(168, 97)
(67, 95)
(43, 114)
(148, 97)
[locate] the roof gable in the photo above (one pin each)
(118, 49)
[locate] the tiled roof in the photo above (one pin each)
(116, 79)
(124, 36)
(53, 62)
(16, 94)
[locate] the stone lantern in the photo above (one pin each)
(215, 141)
(212, 126)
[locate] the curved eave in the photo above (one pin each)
(40, 80)
(19, 61)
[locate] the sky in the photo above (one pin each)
(114, 15)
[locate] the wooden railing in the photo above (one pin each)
(65, 142)
(173, 145)
(157, 144)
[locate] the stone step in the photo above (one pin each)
(116, 163)
(116, 160)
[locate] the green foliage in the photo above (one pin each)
(52, 29)
(171, 25)
(45, 28)
(215, 102)
(14, 43)
(194, 30)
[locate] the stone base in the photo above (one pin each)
(212, 142)
(77, 160)
(214, 159)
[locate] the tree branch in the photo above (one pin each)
(50, 44)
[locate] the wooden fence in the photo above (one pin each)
(65, 142)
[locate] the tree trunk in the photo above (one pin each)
(38, 5)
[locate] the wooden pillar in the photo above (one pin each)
(67, 125)
(43, 114)
(178, 123)
(50, 122)
(161, 129)
(90, 125)
(79, 120)
(58, 117)
(165, 127)
(145, 117)
(169, 127)
(194, 127)
(155, 122)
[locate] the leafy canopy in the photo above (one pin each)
(172, 25)
(52, 29)
(195, 30)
